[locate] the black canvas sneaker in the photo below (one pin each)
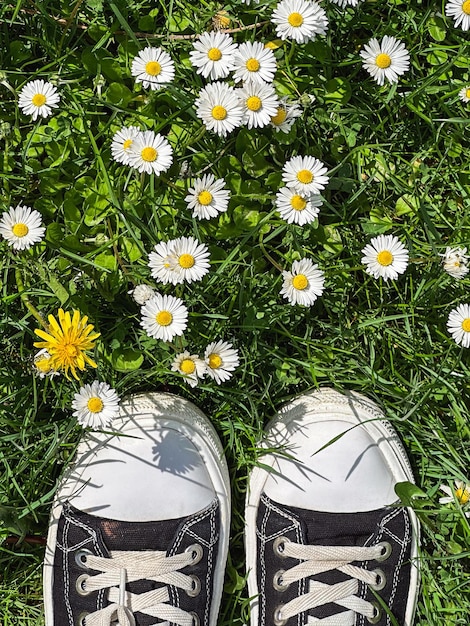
(326, 542)
(140, 523)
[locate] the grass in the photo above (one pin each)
(398, 159)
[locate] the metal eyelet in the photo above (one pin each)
(196, 620)
(81, 619)
(81, 557)
(80, 585)
(386, 551)
(278, 545)
(277, 618)
(381, 580)
(196, 552)
(375, 619)
(278, 582)
(195, 587)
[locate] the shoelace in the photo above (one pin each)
(128, 566)
(318, 559)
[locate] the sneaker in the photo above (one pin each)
(140, 524)
(326, 542)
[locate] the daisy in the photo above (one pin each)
(43, 364)
(150, 152)
(458, 325)
(307, 175)
(96, 405)
(461, 493)
(460, 12)
(164, 317)
(464, 94)
(179, 260)
(21, 227)
(345, 3)
(38, 97)
(386, 60)
(213, 55)
(142, 293)
(190, 366)
(454, 262)
(159, 262)
(122, 142)
(68, 341)
(385, 256)
(296, 208)
(221, 360)
(301, 20)
(153, 67)
(218, 106)
(254, 62)
(303, 284)
(259, 101)
(208, 197)
(285, 115)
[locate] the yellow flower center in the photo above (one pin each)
(305, 177)
(295, 20)
(186, 261)
(38, 99)
(43, 365)
(462, 495)
(300, 282)
(466, 325)
(254, 103)
(215, 361)
(280, 116)
(252, 65)
(298, 203)
(187, 366)
(20, 230)
(164, 318)
(95, 405)
(153, 68)
(127, 144)
(219, 112)
(204, 198)
(149, 154)
(70, 350)
(214, 54)
(467, 92)
(383, 60)
(385, 257)
(466, 7)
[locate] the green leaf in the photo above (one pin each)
(126, 359)
(338, 90)
(437, 28)
(54, 233)
(407, 492)
(59, 290)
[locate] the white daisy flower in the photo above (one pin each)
(213, 55)
(150, 153)
(179, 260)
(122, 142)
(461, 493)
(153, 67)
(254, 62)
(285, 115)
(459, 11)
(159, 262)
(96, 405)
(219, 107)
(259, 101)
(42, 364)
(38, 97)
(458, 325)
(464, 94)
(454, 262)
(190, 366)
(385, 60)
(307, 175)
(141, 293)
(207, 198)
(296, 208)
(385, 256)
(303, 284)
(21, 227)
(344, 3)
(301, 20)
(221, 359)
(164, 317)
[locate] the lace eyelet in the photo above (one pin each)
(196, 552)
(196, 620)
(278, 545)
(81, 619)
(81, 557)
(375, 619)
(277, 617)
(386, 551)
(80, 585)
(278, 583)
(381, 580)
(195, 587)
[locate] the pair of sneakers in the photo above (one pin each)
(139, 530)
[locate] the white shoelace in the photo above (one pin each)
(128, 566)
(318, 559)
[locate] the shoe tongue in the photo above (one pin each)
(119, 535)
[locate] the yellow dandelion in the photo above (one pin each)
(67, 342)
